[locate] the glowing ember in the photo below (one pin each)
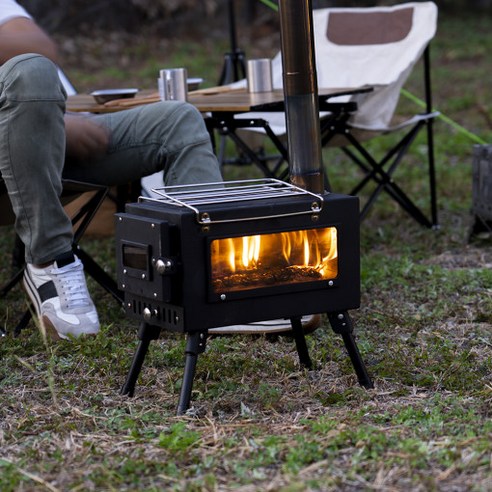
(250, 262)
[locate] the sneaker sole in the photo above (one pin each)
(51, 331)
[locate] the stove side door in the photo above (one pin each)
(142, 253)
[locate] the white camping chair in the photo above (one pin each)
(378, 47)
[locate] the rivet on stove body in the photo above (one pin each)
(223, 297)
(330, 283)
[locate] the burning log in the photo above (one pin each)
(263, 278)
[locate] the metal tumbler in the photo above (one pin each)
(259, 75)
(173, 84)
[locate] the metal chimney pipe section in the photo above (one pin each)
(301, 94)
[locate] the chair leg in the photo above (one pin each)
(249, 153)
(228, 128)
(375, 171)
(26, 317)
(432, 174)
(81, 221)
(18, 263)
(18, 254)
(99, 275)
(12, 283)
(24, 321)
(84, 216)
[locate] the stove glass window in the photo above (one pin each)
(266, 260)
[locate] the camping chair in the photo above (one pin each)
(378, 47)
(94, 196)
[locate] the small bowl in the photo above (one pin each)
(104, 95)
(194, 84)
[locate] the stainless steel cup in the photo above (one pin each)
(259, 75)
(161, 86)
(173, 84)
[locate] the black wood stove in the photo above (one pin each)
(201, 257)
(193, 258)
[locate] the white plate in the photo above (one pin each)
(105, 95)
(194, 83)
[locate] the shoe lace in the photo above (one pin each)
(72, 282)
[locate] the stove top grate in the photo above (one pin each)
(198, 197)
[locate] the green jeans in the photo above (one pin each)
(166, 136)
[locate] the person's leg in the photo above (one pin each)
(168, 136)
(32, 153)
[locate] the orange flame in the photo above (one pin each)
(313, 250)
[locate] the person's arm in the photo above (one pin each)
(85, 138)
(21, 35)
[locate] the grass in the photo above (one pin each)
(259, 422)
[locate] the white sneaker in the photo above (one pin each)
(61, 299)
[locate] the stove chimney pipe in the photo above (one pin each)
(301, 94)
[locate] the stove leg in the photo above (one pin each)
(195, 345)
(342, 324)
(146, 334)
(301, 345)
